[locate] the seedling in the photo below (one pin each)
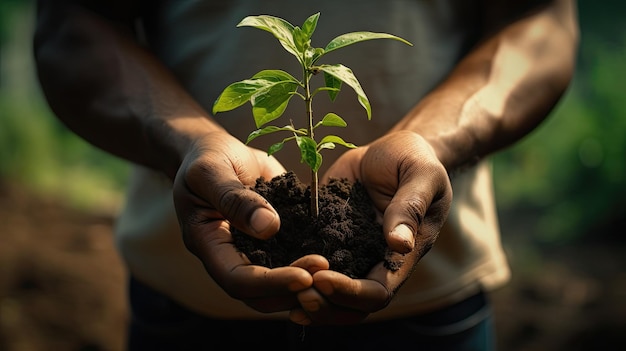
(270, 91)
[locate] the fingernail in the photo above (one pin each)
(310, 306)
(299, 317)
(326, 288)
(261, 219)
(404, 234)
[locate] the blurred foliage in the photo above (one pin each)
(571, 172)
(35, 149)
(566, 179)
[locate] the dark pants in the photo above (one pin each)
(158, 323)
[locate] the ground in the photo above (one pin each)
(62, 286)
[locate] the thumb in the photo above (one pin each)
(409, 184)
(402, 220)
(264, 222)
(213, 190)
(416, 213)
(245, 209)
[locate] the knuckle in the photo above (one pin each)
(231, 200)
(415, 208)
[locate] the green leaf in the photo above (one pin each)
(337, 140)
(333, 120)
(334, 84)
(276, 75)
(345, 74)
(310, 24)
(300, 39)
(281, 29)
(328, 146)
(272, 129)
(356, 37)
(302, 36)
(311, 55)
(309, 153)
(274, 148)
(241, 92)
(238, 94)
(270, 104)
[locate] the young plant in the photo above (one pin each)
(270, 91)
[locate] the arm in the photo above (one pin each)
(496, 95)
(503, 89)
(101, 83)
(115, 94)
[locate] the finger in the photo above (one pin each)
(270, 300)
(299, 316)
(270, 167)
(347, 166)
(266, 290)
(412, 180)
(316, 310)
(354, 299)
(312, 263)
(364, 295)
(207, 235)
(393, 273)
(220, 184)
(402, 219)
(417, 210)
(232, 270)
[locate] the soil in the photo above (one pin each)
(62, 284)
(345, 232)
(61, 280)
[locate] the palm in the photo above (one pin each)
(407, 184)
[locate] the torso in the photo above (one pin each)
(200, 42)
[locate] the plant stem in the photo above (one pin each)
(314, 195)
(309, 112)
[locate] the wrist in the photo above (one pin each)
(446, 128)
(454, 151)
(172, 139)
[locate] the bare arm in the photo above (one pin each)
(113, 93)
(108, 89)
(497, 94)
(504, 88)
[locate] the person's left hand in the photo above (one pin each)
(212, 194)
(411, 190)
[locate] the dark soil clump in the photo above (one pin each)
(345, 232)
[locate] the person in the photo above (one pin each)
(138, 79)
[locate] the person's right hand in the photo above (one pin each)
(411, 190)
(211, 194)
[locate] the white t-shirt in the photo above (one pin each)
(200, 42)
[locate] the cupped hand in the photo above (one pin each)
(411, 190)
(211, 194)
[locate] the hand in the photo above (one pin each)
(411, 189)
(210, 194)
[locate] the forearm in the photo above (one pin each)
(501, 91)
(113, 93)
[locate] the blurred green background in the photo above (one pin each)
(36, 151)
(561, 196)
(566, 180)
